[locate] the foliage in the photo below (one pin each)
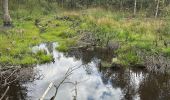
(107, 21)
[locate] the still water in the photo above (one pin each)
(93, 81)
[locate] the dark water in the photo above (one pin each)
(94, 82)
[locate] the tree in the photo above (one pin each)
(134, 12)
(6, 16)
(157, 8)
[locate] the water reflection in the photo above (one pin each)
(156, 85)
(90, 87)
(94, 83)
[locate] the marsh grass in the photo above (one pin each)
(137, 34)
(64, 27)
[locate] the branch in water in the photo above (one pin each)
(4, 93)
(68, 73)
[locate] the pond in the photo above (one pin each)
(89, 81)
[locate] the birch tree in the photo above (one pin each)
(6, 16)
(157, 8)
(135, 3)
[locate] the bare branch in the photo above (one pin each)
(67, 74)
(4, 93)
(6, 79)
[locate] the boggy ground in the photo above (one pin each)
(135, 41)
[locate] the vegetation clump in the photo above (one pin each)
(129, 36)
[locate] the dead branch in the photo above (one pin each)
(6, 79)
(4, 93)
(67, 74)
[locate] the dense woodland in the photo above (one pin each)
(150, 7)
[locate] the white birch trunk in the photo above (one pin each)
(6, 17)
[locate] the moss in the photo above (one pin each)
(43, 57)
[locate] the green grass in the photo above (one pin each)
(134, 34)
(166, 51)
(42, 57)
(16, 42)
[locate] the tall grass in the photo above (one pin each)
(133, 34)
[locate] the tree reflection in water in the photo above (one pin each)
(128, 84)
(134, 83)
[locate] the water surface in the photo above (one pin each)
(94, 81)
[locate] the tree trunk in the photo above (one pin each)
(135, 8)
(62, 3)
(141, 5)
(157, 8)
(6, 17)
(121, 5)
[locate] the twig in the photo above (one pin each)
(11, 74)
(5, 81)
(4, 93)
(68, 73)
